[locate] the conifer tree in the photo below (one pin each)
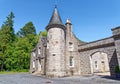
(6, 36)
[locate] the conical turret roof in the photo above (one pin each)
(55, 19)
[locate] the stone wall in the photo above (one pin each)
(55, 61)
(105, 45)
(38, 56)
(116, 36)
(71, 51)
(99, 62)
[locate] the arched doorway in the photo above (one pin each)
(99, 63)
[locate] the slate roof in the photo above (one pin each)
(55, 19)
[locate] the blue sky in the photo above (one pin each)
(91, 19)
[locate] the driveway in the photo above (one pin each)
(26, 78)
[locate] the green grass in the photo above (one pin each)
(10, 72)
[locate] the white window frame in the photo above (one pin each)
(34, 54)
(33, 64)
(47, 44)
(39, 50)
(71, 47)
(96, 64)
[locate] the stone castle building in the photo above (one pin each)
(61, 54)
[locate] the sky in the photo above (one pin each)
(91, 19)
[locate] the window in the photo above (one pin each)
(102, 62)
(70, 46)
(96, 65)
(34, 54)
(33, 64)
(71, 62)
(39, 49)
(70, 43)
(54, 54)
(47, 44)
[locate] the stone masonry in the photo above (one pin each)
(62, 54)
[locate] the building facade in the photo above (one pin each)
(61, 54)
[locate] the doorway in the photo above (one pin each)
(99, 63)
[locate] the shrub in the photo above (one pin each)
(117, 69)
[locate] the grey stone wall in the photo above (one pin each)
(85, 64)
(72, 51)
(52, 54)
(32, 59)
(106, 45)
(55, 64)
(96, 44)
(116, 36)
(38, 57)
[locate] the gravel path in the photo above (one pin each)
(25, 78)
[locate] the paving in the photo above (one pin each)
(26, 78)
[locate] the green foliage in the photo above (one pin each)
(7, 31)
(15, 49)
(117, 69)
(6, 38)
(26, 30)
(43, 33)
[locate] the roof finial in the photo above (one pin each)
(56, 3)
(68, 20)
(55, 19)
(55, 6)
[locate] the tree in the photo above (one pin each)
(27, 40)
(43, 33)
(15, 49)
(7, 31)
(27, 30)
(6, 37)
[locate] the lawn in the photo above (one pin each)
(10, 72)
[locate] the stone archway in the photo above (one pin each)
(99, 63)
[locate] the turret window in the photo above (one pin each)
(54, 54)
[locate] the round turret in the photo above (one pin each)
(55, 66)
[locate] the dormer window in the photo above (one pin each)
(70, 43)
(70, 46)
